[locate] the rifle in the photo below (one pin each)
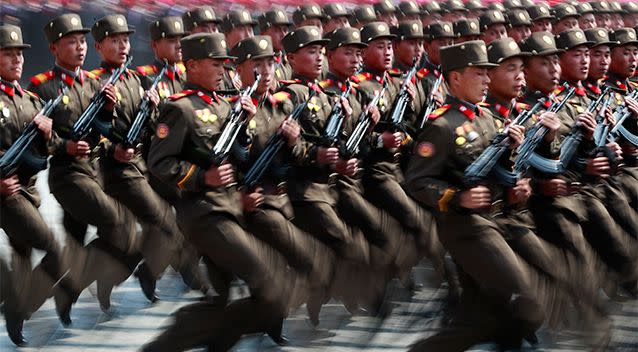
(621, 114)
(486, 163)
(144, 112)
(572, 141)
(232, 126)
(272, 147)
(18, 153)
(401, 102)
(334, 126)
(87, 120)
(526, 152)
(430, 103)
(352, 145)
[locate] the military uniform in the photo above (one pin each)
(198, 17)
(231, 82)
(276, 16)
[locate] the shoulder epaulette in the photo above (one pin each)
(280, 96)
(231, 98)
(146, 70)
(633, 84)
(31, 93)
(422, 72)
(289, 81)
(395, 72)
(559, 90)
(181, 67)
(438, 112)
(42, 77)
(361, 77)
(98, 71)
(326, 83)
(90, 74)
(483, 104)
(181, 94)
(521, 106)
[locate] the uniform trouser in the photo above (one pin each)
(616, 200)
(127, 183)
(496, 274)
(26, 229)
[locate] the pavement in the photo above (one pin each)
(133, 321)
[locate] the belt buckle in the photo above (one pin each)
(575, 187)
(282, 188)
(497, 207)
(332, 178)
(396, 157)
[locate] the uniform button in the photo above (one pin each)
(209, 131)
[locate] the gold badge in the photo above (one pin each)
(370, 11)
(223, 44)
(569, 9)
(14, 36)
(252, 124)
(281, 14)
(497, 15)
(543, 9)
(579, 35)
(5, 111)
(547, 39)
(355, 35)
(162, 131)
(381, 28)
(460, 140)
(120, 21)
(513, 45)
(521, 16)
(415, 27)
(263, 44)
(602, 33)
(579, 109)
(315, 10)
(178, 26)
(208, 14)
(246, 16)
(312, 105)
(74, 21)
(446, 28)
(314, 32)
(473, 25)
(65, 99)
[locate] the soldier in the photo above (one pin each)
(492, 26)
(602, 13)
(236, 25)
(431, 12)
(454, 11)
(19, 200)
(386, 12)
(200, 19)
(124, 169)
(309, 15)
(565, 17)
(541, 18)
(630, 14)
(362, 15)
(408, 11)
(599, 60)
(466, 215)
(617, 21)
(466, 30)
(475, 9)
(74, 178)
(438, 35)
(210, 211)
(275, 23)
(519, 25)
(166, 33)
(587, 19)
(336, 16)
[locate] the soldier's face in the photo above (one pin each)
(542, 73)
(307, 61)
(617, 21)
(238, 34)
(276, 33)
(471, 84)
(379, 54)
(406, 50)
(344, 61)
(507, 80)
(603, 20)
(335, 23)
(168, 48)
(574, 64)
(565, 24)
(433, 48)
(389, 18)
(114, 49)
(264, 66)
(587, 21)
(426, 20)
(599, 59)
(543, 25)
(208, 73)
(624, 60)
(209, 27)
(70, 51)
(630, 20)
(519, 33)
(494, 32)
(11, 61)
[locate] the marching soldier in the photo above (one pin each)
(236, 25)
(309, 15)
(336, 16)
(541, 18)
(630, 15)
(362, 15)
(200, 20)
(431, 12)
(602, 13)
(74, 178)
(599, 59)
(409, 11)
(518, 25)
(565, 17)
(386, 12)
(453, 11)
(466, 30)
(19, 200)
(475, 9)
(275, 24)
(466, 214)
(492, 26)
(587, 19)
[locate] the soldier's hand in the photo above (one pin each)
(290, 130)
(598, 166)
(411, 89)
(587, 122)
(79, 148)
(609, 116)
(375, 115)
(552, 123)
(553, 188)
(347, 109)
(632, 105)
(219, 176)
(123, 154)
(153, 96)
(45, 125)
(520, 193)
(347, 167)
(9, 186)
(392, 140)
(110, 92)
(438, 97)
(616, 149)
(475, 198)
(327, 156)
(248, 106)
(252, 201)
(516, 134)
